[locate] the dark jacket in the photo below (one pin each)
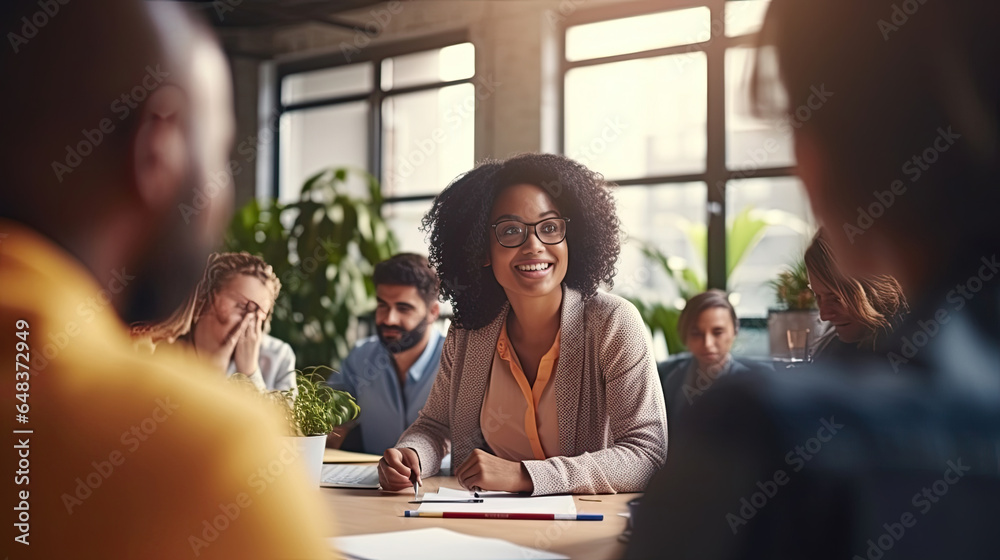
(674, 372)
(895, 457)
(830, 349)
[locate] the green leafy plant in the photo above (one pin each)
(323, 248)
(791, 288)
(316, 408)
(744, 233)
(313, 408)
(689, 282)
(661, 318)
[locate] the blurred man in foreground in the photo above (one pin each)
(895, 109)
(114, 188)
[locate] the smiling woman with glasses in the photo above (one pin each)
(546, 385)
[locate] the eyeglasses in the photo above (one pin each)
(512, 233)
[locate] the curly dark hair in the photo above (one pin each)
(459, 229)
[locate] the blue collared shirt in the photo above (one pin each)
(368, 373)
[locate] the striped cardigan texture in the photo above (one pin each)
(611, 414)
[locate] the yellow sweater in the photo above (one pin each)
(130, 456)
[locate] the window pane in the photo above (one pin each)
(330, 82)
(455, 62)
(751, 143)
(745, 16)
(428, 139)
(639, 117)
(404, 220)
(314, 139)
(782, 204)
(669, 217)
(637, 34)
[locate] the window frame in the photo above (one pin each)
(374, 96)
(717, 173)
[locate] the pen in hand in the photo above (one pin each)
(415, 477)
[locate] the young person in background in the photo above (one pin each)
(708, 325)
(546, 385)
(862, 311)
(226, 320)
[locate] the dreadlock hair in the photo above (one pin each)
(221, 268)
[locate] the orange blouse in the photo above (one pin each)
(510, 398)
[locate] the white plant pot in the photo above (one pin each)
(780, 321)
(309, 456)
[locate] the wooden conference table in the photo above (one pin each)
(358, 512)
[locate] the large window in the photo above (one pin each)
(405, 114)
(657, 102)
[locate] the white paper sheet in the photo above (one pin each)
(499, 502)
(434, 544)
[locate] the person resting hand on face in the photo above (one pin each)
(226, 321)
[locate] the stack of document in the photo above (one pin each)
(497, 502)
(349, 476)
(347, 470)
(434, 544)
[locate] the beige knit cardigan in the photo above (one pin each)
(611, 414)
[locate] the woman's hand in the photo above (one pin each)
(489, 472)
(396, 467)
(221, 355)
(246, 351)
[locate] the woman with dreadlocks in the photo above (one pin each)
(226, 320)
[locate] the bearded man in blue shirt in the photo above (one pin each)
(391, 374)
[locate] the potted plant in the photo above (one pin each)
(796, 310)
(311, 412)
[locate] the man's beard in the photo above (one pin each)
(407, 339)
(174, 262)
